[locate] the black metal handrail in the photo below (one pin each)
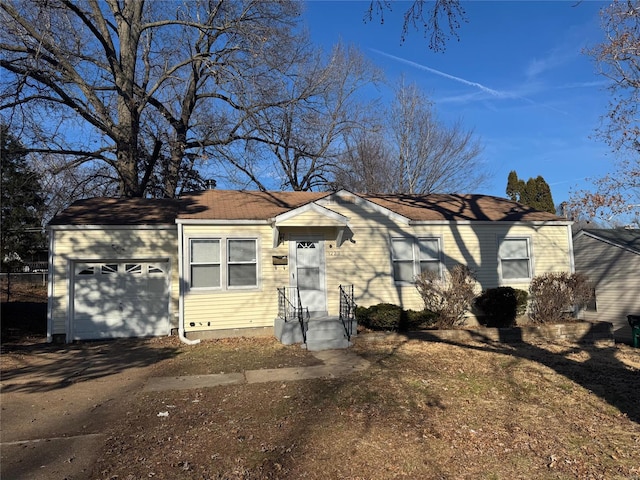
(347, 309)
(286, 309)
(289, 311)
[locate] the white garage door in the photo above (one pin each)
(120, 299)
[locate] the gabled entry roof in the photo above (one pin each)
(245, 204)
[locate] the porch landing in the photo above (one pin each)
(322, 332)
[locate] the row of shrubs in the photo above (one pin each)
(552, 297)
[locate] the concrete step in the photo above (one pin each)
(333, 344)
(326, 333)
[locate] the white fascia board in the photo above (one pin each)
(367, 204)
(572, 263)
(283, 217)
(111, 227)
(201, 221)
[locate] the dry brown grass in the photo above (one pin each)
(422, 410)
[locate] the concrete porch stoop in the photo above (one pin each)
(326, 333)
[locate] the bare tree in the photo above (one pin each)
(428, 16)
(63, 184)
(422, 154)
(617, 195)
(365, 166)
(138, 86)
(298, 142)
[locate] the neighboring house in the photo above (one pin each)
(210, 263)
(611, 260)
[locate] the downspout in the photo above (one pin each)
(578, 312)
(181, 290)
(50, 276)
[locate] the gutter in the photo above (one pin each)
(181, 289)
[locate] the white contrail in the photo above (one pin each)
(491, 91)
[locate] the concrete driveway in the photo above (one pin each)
(58, 401)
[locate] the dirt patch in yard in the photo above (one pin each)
(230, 355)
(422, 410)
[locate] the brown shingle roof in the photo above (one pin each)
(459, 208)
(253, 205)
(244, 204)
(119, 211)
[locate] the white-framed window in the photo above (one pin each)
(204, 262)
(223, 263)
(242, 263)
(410, 256)
(514, 258)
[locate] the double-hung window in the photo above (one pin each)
(242, 263)
(205, 263)
(411, 256)
(514, 258)
(223, 263)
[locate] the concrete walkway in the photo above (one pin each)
(336, 363)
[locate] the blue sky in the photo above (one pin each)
(517, 77)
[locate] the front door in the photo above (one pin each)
(307, 273)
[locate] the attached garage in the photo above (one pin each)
(113, 267)
(120, 299)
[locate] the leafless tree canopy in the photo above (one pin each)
(135, 97)
(616, 196)
(439, 20)
(299, 140)
(144, 87)
(414, 152)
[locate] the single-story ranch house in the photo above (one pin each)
(211, 263)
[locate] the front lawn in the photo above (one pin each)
(422, 410)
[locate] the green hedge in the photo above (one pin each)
(386, 316)
(501, 306)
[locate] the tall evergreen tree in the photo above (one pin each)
(21, 235)
(514, 186)
(534, 193)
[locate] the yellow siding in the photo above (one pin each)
(114, 244)
(238, 308)
(363, 259)
(309, 218)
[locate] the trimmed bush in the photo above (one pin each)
(554, 296)
(501, 306)
(383, 316)
(386, 316)
(417, 319)
(448, 298)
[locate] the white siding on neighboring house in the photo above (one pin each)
(615, 273)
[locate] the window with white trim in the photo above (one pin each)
(411, 256)
(514, 258)
(242, 263)
(204, 263)
(223, 263)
